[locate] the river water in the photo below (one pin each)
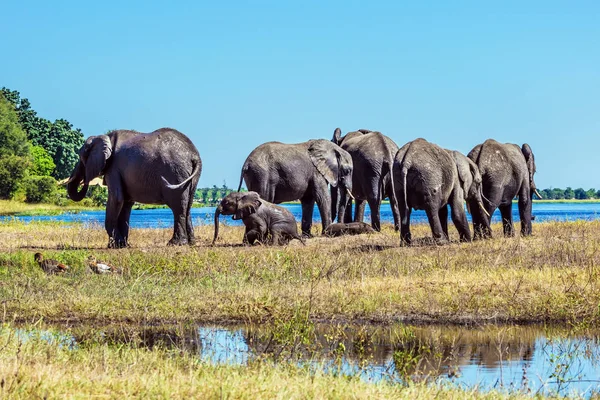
(163, 218)
(512, 359)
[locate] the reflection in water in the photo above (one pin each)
(524, 359)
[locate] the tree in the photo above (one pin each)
(580, 194)
(43, 165)
(14, 150)
(558, 194)
(39, 189)
(59, 139)
(569, 193)
(548, 194)
(591, 193)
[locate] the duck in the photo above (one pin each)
(50, 267)
(101, 267)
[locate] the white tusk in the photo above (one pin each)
(350, 194)
(483, 209)
(538, 194)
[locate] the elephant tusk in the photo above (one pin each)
(537, 194)
(483, 209)
(350, 194)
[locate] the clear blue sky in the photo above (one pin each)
(232, 75)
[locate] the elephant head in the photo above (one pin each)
(530, 160)
(238, 204)
(335, 165)
(93, 156)
(470, 181)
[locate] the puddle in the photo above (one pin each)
(510, 358)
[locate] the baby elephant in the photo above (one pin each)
(265, 222)
(350, 228)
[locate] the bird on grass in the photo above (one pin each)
(50, 267)
(101, 267)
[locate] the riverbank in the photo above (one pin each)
(550, 277)
(18, 208)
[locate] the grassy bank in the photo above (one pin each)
(10, 207)
(552, 276)
(36, 364)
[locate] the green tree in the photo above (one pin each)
(548, 194)
(14, 150)
(591, 193)
(43, 165)
(580, 194)
(569, 193)
(558, 194)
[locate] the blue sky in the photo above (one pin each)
(232, 75)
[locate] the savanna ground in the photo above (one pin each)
(551, 277)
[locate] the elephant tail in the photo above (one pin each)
(389, 169)
(404, 173)
(180, 186)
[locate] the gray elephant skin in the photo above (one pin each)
(428, 177)
(265, 222)
(348, 228)
(372, 159)
(507, 171)
(160, 167)
(281, 172)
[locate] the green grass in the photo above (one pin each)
(18, 208)
(552, 276)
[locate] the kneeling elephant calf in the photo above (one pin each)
(265, 222)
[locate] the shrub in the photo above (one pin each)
(39, 189)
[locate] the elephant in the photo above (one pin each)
(372, 159)
(281, 172)
(160, 167)
(428, 177)
(265, 222)
(507, 171)
(349, 228)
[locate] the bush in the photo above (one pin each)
(98, 195)
(39, 189)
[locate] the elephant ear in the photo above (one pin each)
(324, 157)
(337, 136)
(99, 152)
(247, 205)
(464, 172)
(530, 160)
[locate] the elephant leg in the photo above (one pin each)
(308, 206)
(443, 213)
(375, 217)
(393, 204)
(436, 226)
(111, 222)
(123, 222)
(405, 236)
(359, 212)
(507, 221)
(323, 200)
(179, 222)
(253, 236)
(276, 238)
(525, 209)
(459, 218)
(348, 214)
(189, 228)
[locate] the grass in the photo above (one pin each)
(37, 364)
(10, 207)
(552, 276)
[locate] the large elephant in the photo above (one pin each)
(372, 159)
(428, 177)
(160, 167)
(265, 222)
(281, 172)
(507, 171)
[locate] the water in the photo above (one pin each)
(163, 218)
(526, 359)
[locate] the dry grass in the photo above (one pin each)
(552, 276)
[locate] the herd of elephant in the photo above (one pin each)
(364, 166)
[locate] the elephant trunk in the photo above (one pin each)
(217, 214)
(73, 183)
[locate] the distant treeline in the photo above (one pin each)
(570, 194)
(213, 195)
